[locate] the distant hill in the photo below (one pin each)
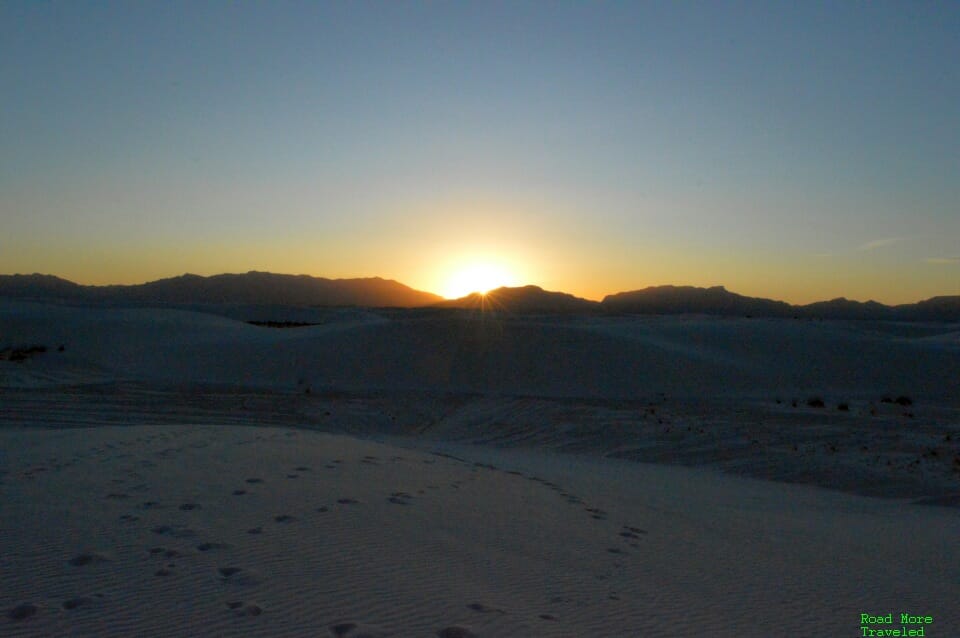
(524, 300)
(719, 301)
(39, 287)
(842, 308)
(688, 299)
(249, 288)
(261, 288)
(943, 308)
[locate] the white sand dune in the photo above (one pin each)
(172, 531)
(591, 357)
(164, 475)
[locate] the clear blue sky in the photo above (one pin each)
(799, 150)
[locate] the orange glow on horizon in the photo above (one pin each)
(480, 276)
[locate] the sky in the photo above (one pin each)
(794, 150)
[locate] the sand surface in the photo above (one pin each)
(176, 473)
(214, 530)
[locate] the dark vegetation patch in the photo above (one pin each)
(900, 400)
(21, 354)
(282, 324)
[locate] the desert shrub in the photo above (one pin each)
(902, 400)
(815, 402)
(843, 407)
(886, 400)
(21, 354)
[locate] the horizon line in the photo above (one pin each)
(444, 298)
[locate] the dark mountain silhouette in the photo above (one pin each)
(249, 288)
(261, 288)
(843, 308)
(39, 287)
(688, 299)
(524, 300)
(943, 308)
(719, 301)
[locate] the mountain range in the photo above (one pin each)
(249, 288)
(277, 289)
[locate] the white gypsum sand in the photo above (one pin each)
(437, 502)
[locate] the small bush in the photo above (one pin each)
(815, 402)
(843, 407)
(886, 400)
(21, 354)
(902, 400)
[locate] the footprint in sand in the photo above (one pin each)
(207, 547)
(255, 530)
(22, 612)
(347, 501)
(244, 609)
(238, 576)
(188, 507)
(79, 601)
(483, 609)
(175, 532)
(456, 631)
(284, 518)
(598, 514)
(253, 481)
(356, 630)
(400, 498)
(82, 560)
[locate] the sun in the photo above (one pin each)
(481, 277)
